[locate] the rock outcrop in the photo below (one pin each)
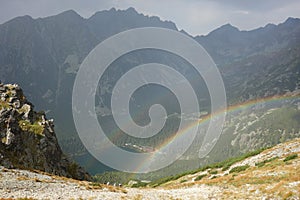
(27, 138)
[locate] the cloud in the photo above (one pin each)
(244, 12)
(255, 5)
(194, 16)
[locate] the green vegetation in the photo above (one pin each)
(228, 145)
(239, 169)
(283, 118)
(213, 172)
(35, 128)
(224, 165)
(289, 112)
(198, 178)
(72, 169)
(227, 163)
(260, 164)
(4, 104)
(167, 179)
(139, 184)
(254, 129)
(126, 177)
(291, 157)
(23, 109)
(113, 177)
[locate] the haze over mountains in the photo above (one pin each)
(43, 55)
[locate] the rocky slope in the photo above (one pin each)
(27, 138)
(271, 174)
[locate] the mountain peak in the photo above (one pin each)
(114, 11)
(292, 20)
(270, 25)
(131, 9)
(225, 29)
(21, 19)
(228, 26)
(126, 19)
(70, 13)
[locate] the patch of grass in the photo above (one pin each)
(138, 197)
(22, 178)
(183, 181)
(239, 169)
(291, 157)
(139, 184)
(287, 195)
(72, 169)
(213, 172)
(110, 188)
(94, 186)
(198, 178)
(225, 165)
(4, 104)
(23, 109)
(280, 190)
(262, 163)
(35, 128)
(248, 178)
(170, 178)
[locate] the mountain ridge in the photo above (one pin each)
(87, 37)
(43, 56)
(131, 10)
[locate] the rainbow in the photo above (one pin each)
(229, 109)
(205, 119)
(233, 108)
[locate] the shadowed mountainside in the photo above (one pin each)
(43, 55)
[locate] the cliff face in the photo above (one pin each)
(27, 138)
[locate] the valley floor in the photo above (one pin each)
(279, 178)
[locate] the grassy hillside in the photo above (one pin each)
(272, 173)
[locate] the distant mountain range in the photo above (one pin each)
(43, 55)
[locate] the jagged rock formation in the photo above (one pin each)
(28, 139)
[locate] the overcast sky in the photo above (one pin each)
(197, 17)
